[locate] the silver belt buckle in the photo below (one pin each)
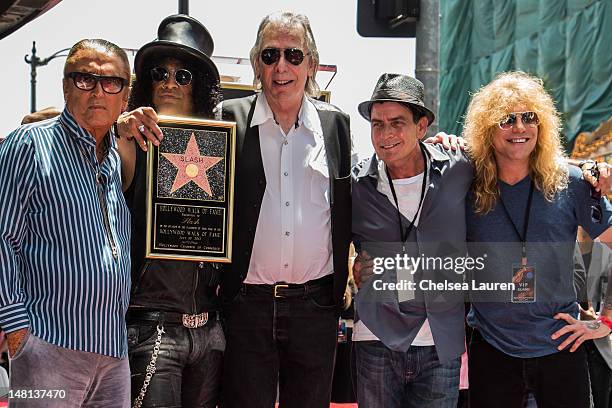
(195, 321)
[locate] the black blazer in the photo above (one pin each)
(250, 185)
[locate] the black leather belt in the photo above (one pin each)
(290, 290)
(187, 320)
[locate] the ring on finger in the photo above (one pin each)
(141, 128)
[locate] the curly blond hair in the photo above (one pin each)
(487, 108)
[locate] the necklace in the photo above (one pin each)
(100, 189)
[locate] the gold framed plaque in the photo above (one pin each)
(190, 190)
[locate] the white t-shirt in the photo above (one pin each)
(408, 193)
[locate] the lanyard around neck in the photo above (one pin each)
(523, 236)
(404, 233)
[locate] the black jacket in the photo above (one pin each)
(250, 185)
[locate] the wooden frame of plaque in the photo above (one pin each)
(190, 190)
(232, 90)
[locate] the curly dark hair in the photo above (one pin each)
(206, 89)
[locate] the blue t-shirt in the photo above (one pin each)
(524, 329)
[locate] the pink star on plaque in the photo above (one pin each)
(192, 166)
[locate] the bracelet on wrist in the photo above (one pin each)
(605, 321)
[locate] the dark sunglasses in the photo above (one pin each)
(294, 56)
(528, 119)
(182, 76)
(87, 82)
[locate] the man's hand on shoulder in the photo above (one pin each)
(42, 114)
(449, 142)
(15, 339)
(140, 125)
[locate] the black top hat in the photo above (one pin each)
(397, 88)
(179, 36)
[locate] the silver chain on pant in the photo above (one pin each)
(150, 369)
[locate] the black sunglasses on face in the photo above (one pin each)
(294, 56)
(87, 82)
(528, 119)
(181, 76)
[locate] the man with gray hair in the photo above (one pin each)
(64, 242)
(284, 289)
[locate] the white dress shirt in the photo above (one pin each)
(293, 236)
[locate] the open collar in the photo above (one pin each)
(437, 161)
(307, 117)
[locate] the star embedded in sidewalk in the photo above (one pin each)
(192, 166)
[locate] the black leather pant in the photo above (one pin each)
(188, 368)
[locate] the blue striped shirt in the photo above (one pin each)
(59, 274)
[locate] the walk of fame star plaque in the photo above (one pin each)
(190, 190)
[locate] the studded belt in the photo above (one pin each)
(190, 321)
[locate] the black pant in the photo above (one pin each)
(601, 376)
(284, 341)
(188, 368)
(559, 380)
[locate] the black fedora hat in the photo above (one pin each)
(397, 88)
(179, 36)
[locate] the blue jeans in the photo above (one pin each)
(416, 378)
